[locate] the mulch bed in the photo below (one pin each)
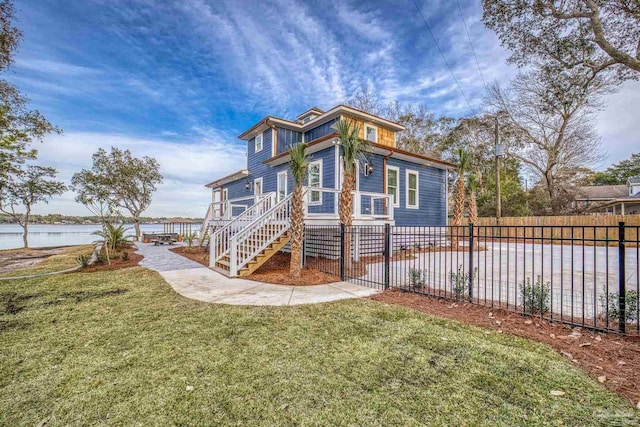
(276, 271)
(194, 253)
(611, 359)
(116, 263)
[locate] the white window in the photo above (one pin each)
(393, 182)
(258, 142)
(282, 185)
(257, 186)
(371, 133)
(412, 201)
(315, 181)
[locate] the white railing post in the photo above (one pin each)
(390, 207)
(233, 258)
(357, 205)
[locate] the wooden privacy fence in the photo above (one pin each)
(587, 227)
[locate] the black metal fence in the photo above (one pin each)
(583, 276)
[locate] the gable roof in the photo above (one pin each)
(334, 112)
(602, 192)
(229, 178)
(309, 111)
(633, 180)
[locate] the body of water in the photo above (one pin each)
(58, 235)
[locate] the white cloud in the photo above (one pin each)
(186, 167)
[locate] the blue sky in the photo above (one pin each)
(179, 80)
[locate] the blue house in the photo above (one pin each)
(248, 216)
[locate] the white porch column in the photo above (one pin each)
(622, 206)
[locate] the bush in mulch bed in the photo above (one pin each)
(122, 258)
(612, 359)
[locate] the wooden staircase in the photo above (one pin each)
(245, 244)
(223, 264)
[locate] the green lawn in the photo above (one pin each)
(121, 348)
(58, 262)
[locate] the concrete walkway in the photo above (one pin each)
(194, 281)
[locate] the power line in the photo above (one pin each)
(471, 43)
(443, 57)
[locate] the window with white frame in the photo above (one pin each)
(257, 187)
(393, 183)
(412, 190)
(259, 144)
(371, 133)
(282, 185)
(315, 181)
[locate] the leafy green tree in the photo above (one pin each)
(619, 172)
(298, 164)
(476, 136)
(19, 126)
(591, 37)
(30, 187)
(121, 180)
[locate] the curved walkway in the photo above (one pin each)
(194, 281)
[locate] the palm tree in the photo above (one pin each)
(459, 193)
(472, 185)
(298, 164)
(354, 150)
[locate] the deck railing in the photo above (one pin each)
(325, 203)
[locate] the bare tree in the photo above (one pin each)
(366, 99)
(552, 118)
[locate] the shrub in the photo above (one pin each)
(415, 277)
(459, 281)
(101, 258)
(189, 238)
(536, 297)
(612, 309)
(113, 236)
(83, 260)
(125, 256)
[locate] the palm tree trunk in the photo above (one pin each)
(458, 209)
(296, 231)
(473, 209)
(346, 212)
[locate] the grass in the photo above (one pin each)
(121, 348)
(58, 262)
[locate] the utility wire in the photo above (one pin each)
(470, 43)
(443, 57)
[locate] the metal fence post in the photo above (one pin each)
(342, 252)
(387, 253)
(622, 306)
(303, 260)
(471, 262)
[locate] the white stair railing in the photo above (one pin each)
(220, 239)
(247, 243)
(205, 224)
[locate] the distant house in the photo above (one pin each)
(393, 186)
(620, 199)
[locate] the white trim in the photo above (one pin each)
(386, 184)
(225, 195)
(284, 172)
(367, 125)
(417, 174)
(255, 181)
(255, 142)
(320, 178)
(338, 163)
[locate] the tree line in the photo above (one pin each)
(117, 181)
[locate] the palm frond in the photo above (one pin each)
(354, 149)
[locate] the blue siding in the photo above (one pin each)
(431, 196)
(287, 137)
(431, 189)
(320, 131)
(328, 157)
